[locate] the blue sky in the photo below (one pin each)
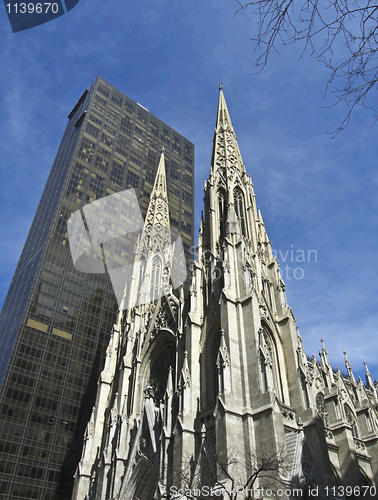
(314, 193)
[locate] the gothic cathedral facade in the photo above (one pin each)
(213, 389)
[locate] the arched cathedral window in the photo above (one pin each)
(239, 209)
(222, 212)
(322, 409)
(266, 361)
(351, 420)
(306, 400)
(155, 278)
(270, 371)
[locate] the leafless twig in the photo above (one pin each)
(342, 34)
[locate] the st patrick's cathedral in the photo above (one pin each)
(207, 391)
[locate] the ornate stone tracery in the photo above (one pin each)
(349, 415)
(321, 408)
(239, 205)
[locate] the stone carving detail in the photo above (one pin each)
(144, 448)
(249, 275)
(166, 317)
(185, 378)
(223, 359)
(286, 413)
(113, 417)
(148, 391)
(329, 434)
(266, 347)
(90, 426)
(263, 311)
(307, 470)
(261, 252)
(360, 445)
(264, 314)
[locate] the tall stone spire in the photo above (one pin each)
(349, 369)
(154, 243)
(369, 380)
(157, 218)
(226, 154)
(223, 116)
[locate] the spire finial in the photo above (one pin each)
(349, 368)
(368, 377)
(220, 86)
(299, 335)
(323, 347)
(163, 149)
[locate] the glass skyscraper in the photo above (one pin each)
(56, 321)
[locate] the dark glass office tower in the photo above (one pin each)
(56, 321)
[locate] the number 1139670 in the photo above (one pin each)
(31, 8)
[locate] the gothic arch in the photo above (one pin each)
(240, 209)
(209, 369)
(351, 419)
(321, 408)
(156, 361)
(270, 365)
(222, 211)
(156, 277)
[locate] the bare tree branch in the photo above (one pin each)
(224, 475)
(341, 34)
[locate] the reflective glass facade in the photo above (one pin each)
(56, 321)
